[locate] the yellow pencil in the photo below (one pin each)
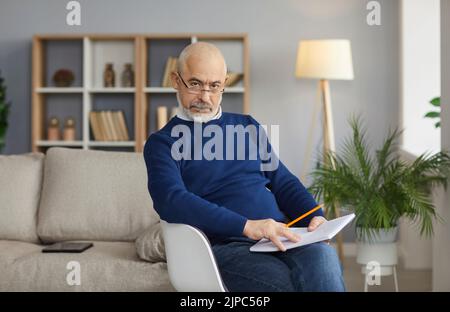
(304, 215)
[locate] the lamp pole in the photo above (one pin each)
(324, 60)
(330, 146)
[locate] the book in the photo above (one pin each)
(165, 78)
(114, 125)
(174, 68)
(123, 126)
(171, 66)
(325, 231)
(101, 127)
(94, 126)
(104, 126)
(116, 121)
(108, 125)
(110, 121)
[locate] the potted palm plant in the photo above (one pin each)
(381, 188)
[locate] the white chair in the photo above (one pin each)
(190, 259)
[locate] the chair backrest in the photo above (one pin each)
(190, 259)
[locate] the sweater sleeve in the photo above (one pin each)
(174, 203)
(292, 197)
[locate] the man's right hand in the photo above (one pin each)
(270, 229)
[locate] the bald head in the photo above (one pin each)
(201, 56)
(201, 68)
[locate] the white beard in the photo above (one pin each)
(197, 117)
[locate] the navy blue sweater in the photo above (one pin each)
(219, 196)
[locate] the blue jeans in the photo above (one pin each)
(313, 267)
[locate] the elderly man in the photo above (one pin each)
(232, 201)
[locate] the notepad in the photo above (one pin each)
(325, 231)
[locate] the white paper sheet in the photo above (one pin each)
(325, 231)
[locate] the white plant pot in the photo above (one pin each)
(380, 250)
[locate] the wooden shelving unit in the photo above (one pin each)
(86, 55)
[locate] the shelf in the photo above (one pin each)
(172, 90)
(63, 54)
(59, 90)
(59, 143)
(86, 55)
(112, 143)
(123, 90)
(235, 90)
(158, 50)
(117, 52)
(119, 101)
(155, 100)
(159, 90)
(112, 90)
(63, 106)
(90, 143)
(233, 51)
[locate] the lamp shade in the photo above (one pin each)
(324, 59)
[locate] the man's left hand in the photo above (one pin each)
(315, 223)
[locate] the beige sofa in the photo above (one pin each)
(77, 195)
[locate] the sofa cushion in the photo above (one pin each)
(20, 188)
(107, 266)
(94, 195)
(150, 244)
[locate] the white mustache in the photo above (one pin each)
(200, 105)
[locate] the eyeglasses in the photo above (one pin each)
(196, 87)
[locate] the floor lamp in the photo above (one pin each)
(325, 60)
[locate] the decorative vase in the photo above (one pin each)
(128, 76)
(69, 129)
(109, 76)
(53, 133)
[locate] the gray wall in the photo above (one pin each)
(274, 29)
(441, 246)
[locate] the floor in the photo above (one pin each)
(408, 280)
